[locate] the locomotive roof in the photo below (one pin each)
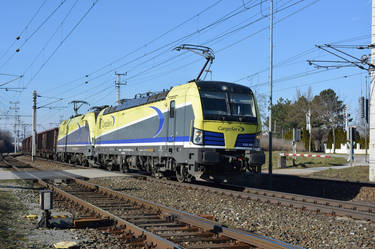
(222, 86)
(202, 85)
(137, 102)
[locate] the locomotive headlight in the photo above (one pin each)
(198, 136)
(257, 140)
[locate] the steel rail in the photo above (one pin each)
(151, 238)
(354, 210)
(245, 239)
(320, 205)
(184, 217)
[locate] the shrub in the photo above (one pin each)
(280, 144)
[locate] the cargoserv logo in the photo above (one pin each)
(232, 128)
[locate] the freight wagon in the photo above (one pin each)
(46, 142)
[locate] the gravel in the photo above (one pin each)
(366, 194)
(303, 228)
(43, 238)
(45, 164)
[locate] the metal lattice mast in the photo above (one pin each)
(15, 108)
(118, 86)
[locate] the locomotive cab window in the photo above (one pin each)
(242, 105)
(214, 103)
(172, 109)
(230, 105)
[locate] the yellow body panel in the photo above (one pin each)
(105, 122)
(69, 126)
(73, 124)
(111, 121)
(229, 129)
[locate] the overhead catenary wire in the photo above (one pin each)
(301, 55)
(174, 56)
(23, 30)
(319, 82)
(144, 45)
(7, 74)
(208, 42)
(62, 42)
(9, 81)
(158, 64)
(101, 75)
(51, 37)
(88, 93)
(33, 33)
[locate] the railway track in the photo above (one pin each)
(10, 163)
(144, 224)
(355, 210)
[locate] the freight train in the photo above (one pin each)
(202, 129)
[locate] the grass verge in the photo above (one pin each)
(11, 211)
(359, 173)
(304, 162)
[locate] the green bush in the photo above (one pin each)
(340, 138)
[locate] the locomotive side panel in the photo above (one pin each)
(75, 137)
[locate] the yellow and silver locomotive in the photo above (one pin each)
(203, 129)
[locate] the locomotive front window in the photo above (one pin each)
(242, 105)
(228, 106)
(214, 103)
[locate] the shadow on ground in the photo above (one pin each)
(325, 188)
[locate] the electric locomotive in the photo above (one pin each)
(202, 129)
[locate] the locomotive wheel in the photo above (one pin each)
(124, 168)
(182, 174)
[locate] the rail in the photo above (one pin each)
(354, 210)
(154, 225)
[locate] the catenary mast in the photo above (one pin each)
(372, 101)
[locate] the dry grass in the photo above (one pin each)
(304, 162)
(310, 162)
(10, 211)
(359, 173)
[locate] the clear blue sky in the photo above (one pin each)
(137, 37)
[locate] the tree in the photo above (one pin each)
(5, 142)
(280, 115)
(328, 111)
